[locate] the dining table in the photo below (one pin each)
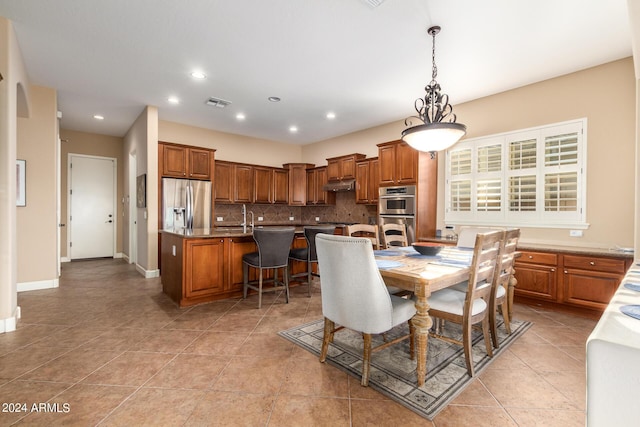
(407, 269)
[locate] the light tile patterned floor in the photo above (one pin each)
(115, 350)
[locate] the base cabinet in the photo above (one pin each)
(536, 273)
(204, 267)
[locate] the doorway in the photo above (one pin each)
(92, 206)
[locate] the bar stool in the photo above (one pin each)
(273, 253)
(308, 254)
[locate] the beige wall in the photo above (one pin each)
(230, 147)
(605, 95)
(89, 144)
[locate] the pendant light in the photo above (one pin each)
(439, 129)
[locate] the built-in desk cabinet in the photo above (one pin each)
(582, 281)
(179, 161)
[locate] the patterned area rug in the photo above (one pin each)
(393, 373)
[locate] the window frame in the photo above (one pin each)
(538, 218)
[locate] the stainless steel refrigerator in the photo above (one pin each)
(186, 203)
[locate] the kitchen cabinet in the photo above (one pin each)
(280, 186)
(271, 185)
(367, 181)
(316, 179)
(233, 183)
(239, 246)
(398, 163)
(180, 161)
(572, 280)
(297, 182)
(343, 167)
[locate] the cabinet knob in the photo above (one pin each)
(566, 272)
(553, 270)
(592, 263)
(530, 256)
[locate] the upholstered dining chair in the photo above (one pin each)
(365, 230)
(501, 277)
(308, 254)
(354, 296)
(273, 253)
(471, 307)
(394, 235)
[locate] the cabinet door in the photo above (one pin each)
(237, 248)
(281, 186)
(323, 197)
(298, 185)
(406, 164)
(297, 267)
(174, 161)
(588, 288)
(348, 167)
(374, 180)
(362, 182)
(536, 281)
(243, 184)
(387, 164)
(262, 185)
(334, 170)
(204, 269)
(312, 176)
(199, 164)
(223, 183)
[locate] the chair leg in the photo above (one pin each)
(493, 323)
(286, 285)
(260, 289)
(466, 343)
(412, 344)
(487, 338)
(366, 359)
(309, 277)
(326, 338)
(245, 279)
(505, 316)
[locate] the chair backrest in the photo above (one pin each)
(353, 292)
(274, 245)
(365, 230)
(394, 235)
(483, 264)
(310, 233)
(467, 235)
(506, 259)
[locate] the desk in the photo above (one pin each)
(423, 275)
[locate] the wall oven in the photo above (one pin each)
(398, 205)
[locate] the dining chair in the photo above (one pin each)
(471, 307)
(308, 254)
(394, 235)
(467, 235)
(501, 277)
(273, 253)
(365, 230)
(355, 297)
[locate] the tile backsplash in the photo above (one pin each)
(345, 210)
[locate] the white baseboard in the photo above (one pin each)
(126, 258)
(35, 286)
(65, 259)
(148, 274)
(118, 255)
(9, 324)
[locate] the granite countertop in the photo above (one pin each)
(225, 231)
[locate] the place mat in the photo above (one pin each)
(631, 310)
(387, 252)
(633, 286)
(384, 264)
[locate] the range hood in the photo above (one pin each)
(344, 185)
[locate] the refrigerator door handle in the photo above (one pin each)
(189, 213)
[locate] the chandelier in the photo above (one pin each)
(439, 129)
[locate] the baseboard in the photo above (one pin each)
(126, 258)
(65, 259)
(35, 286)
(9, 324)
(118, 255)
(148, 274)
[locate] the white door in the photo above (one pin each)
(92, 206)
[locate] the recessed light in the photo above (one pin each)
(274, 99)
(98, 117)
(199, 75)
(173, 100)
(240, 116)
(293, 129)
(331, 115)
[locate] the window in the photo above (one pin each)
(534, 177)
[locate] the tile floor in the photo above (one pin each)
(109, 348)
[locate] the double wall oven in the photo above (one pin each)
(398, 205)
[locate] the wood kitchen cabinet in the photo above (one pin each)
(233, 183)
(590, 281)
(537, 275)
(316, 179)
(239, 246)
(367, 181)
(270, 185)
(297, 182)
(398, 163)
(180, 161)
(343, 167)
(280, 186)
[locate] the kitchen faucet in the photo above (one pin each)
(244, 219)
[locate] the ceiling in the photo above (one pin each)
(367, 64)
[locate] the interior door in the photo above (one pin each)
(92, 206)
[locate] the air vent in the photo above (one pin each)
(217, 102)
(373, 3)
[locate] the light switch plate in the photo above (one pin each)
(575, 233)
(291, 218)
(219, 218)
(260, 218)
(317, 218)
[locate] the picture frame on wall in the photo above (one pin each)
(21, 183)
(141, 191)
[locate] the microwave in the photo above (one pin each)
(397, 200)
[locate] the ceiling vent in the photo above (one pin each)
(373, 3)
(217, 102)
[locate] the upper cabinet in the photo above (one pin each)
(343, 167)
(270, 185)
(316, 179)
(367, 181)
(180, 161)
(233, 183)
(297, 182)
(398, 163)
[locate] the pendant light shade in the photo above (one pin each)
(438, 130)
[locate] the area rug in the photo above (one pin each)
(393, 373)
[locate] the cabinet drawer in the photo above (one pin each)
(611, 265)
(537, 258)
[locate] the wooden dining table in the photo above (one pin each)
(406, 269)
